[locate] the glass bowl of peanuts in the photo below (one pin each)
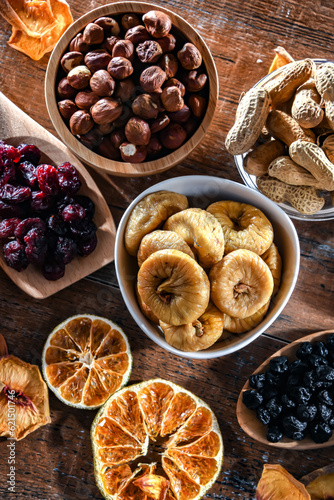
(290, 158)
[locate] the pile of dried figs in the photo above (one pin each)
(132, 89)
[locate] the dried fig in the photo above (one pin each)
(273, 260)
(161, 240)
(237, 325)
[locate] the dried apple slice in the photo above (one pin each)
(24, 399)
(320, 483)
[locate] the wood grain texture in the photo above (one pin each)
(56, 463)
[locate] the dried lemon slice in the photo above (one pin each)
(156, 419)
(85, 360)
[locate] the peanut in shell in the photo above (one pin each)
(313, 158)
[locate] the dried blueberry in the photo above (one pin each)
(252, 399)
(314, 360)
(65, 251)
(274, 434)
(287, 402)
(27, 172)
(279, 364)
(330, 342)
(263, 415)
(325, 397)
(36, 246)
(272, 378)
(293, 426)
(304, 350)
(331, 422)
(73, 213)
(320, 433)
(320, 349)
(306, 412)
(29, 153)
(7, 227)
(15, 256)
(274, 407)
(53, 270)
(68, 178)
(324, 412)
(324, 374)
(47, 177)
(27, 224)
(257, 381)
(269, 391)
(14, 194)
(302, 395)
(309, 379)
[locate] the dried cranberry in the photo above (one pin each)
(15, 256)
(14, 195)
(36, 246)
(40, 201)
(73, 213)
(83, 229)
(56, 223)
(87, 246)
(8, 226)
(87, 204)
(29, 153)
(47, 177)
(27, 173)
(53, 270)
(27, 224)
(63, 202)
(7, 210)
(68, 177)
(8, 152)
(8, 172)
(65, 251)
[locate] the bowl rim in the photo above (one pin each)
(144, 324)
(250, 180)
(126, 169)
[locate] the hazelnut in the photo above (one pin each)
(189, 56)
(81, 122)
(86, 99)
(117, 137)
(106, 110)
(92, 139)
(106, 149)
(173, 136)
(132, 153)
(159, 123)
(67, 108)
(123, 48)
(145, 107)
(149, 51)
(105, 128)
(102, 83)
(197, 104)
(152, 78)
(125, 90)
(180, 116)
(191, 125)
(65, 90)
(137, 131)
(77, 44)
(169, 64)
(137, 34)
(109, 25)
(194, 81)
(120, 68)
(156, 98)
(70, 60)
(173, 82)
(110, 42)
(154, 146)
(167, 43)
(79, 77)
(93, 34)
(124, 117)
(157, 23)
(129, 21)
(97, 59)
(171, 99)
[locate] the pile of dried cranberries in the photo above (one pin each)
(44, 221)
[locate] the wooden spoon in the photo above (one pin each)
(16, 127)
(247, 418)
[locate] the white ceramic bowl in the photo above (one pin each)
(201, 192)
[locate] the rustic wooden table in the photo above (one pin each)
(56, 461)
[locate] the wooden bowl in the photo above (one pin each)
(125, 169)
(247, 418)
(23, 129)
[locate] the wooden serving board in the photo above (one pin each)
(17, 127)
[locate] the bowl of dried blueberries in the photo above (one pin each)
(131, 88)
(288, 401)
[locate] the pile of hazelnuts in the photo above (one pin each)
(132, 91)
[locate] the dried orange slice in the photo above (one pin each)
(156, 440)
(85, 360)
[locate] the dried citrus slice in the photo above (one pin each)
(85, 360)
(151, 421)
